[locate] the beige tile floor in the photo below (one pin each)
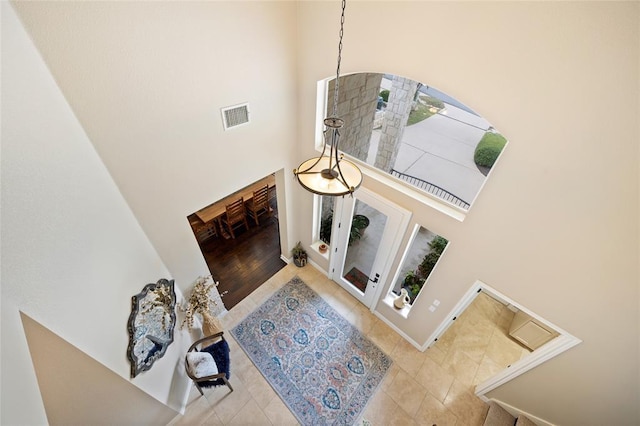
(421, 388)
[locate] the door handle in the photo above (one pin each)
(375, 280)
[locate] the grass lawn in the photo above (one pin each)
(420, 113)
(425, 109)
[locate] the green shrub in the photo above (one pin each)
(438, 244)
(360, 221)
(488, 149)
(428, 263)
(414, 280)
(414, 289)
(384, 94)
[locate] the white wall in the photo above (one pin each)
(147, 81)
(73, 254)
(142, 84)
(556, 226)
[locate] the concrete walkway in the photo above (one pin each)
(440, 150)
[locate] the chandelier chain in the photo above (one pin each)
(331, 174)
(337, 85)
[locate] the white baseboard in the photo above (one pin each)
(315, 265)
(397, 330)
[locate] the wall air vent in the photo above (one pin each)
(235, 116)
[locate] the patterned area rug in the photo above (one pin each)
(322, 367)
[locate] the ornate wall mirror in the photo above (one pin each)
(151, 324)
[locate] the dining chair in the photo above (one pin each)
(236, 214)
(259, 204)
(205, 231)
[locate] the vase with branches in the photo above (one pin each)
(200, 302)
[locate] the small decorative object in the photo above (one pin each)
(402, 300)
(323, 248)
(201, 301)
(151, 324)
(299, 255)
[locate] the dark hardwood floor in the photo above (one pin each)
(242, 264)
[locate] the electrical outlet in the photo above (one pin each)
(436, 302)
(432, 308)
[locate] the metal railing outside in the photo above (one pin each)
(431, 189)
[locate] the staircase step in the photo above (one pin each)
(498, 416)
(524, 421)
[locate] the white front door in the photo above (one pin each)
(362, 257)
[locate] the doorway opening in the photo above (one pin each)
(522, 340)
(244, 261)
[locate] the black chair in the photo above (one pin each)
(216, 346)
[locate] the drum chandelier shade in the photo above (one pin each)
(331, 174)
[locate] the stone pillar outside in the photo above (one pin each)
(395, 119)
(357, 103)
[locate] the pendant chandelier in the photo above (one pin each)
(331, 174)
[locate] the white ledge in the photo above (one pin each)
(316, 247)
(388, 300)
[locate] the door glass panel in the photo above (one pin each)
(367, 227)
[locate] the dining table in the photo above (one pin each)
(217, 209)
